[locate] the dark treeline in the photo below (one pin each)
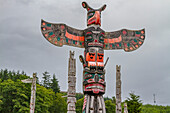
(15, 96)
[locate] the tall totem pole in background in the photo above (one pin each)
(71, 93)
(118, 89)
(95, 41)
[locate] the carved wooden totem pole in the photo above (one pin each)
(95, 41)
(33, 91)
(118, 90)
(125, 108)
(71, 93)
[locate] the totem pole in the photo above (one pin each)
(95, 41)
(33, 92)
(71, 93)
(118, 90)
(125, 108)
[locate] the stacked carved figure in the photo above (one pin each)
(95, 41)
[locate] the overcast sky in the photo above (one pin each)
(145, 71)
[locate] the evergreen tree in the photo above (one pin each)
(46, 79)
(54, 84)
(134, 103)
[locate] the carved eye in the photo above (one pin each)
(87, 76)
(101, 38)
(91, 54)
(90, 14)
(89, 36)
(100, 56)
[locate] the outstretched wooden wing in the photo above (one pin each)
(128, 40)
(61, 34)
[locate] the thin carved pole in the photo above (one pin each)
(125, 108)
(71, 93)
(118, 89)
(33, 92)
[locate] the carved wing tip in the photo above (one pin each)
(137, 42)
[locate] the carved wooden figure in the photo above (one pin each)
(71, 93)
(125, 108)
(33, 92)
(95, 41)
(118, 90)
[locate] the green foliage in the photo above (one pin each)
(134, 103)
(107, 98)
(14, 98)
(46, 79)
(79, 105)
(110, 106)
(15, 95)
(155, 109)
(54, 84)
(79, 96)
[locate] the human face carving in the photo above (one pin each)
(94, 37)
(94, 83)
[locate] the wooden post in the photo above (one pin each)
(118, 89)
(71, 93)
(33, 92)
(125, 108)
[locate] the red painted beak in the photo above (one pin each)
(97, 16)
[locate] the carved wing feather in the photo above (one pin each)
(61, 34)
(128, 40)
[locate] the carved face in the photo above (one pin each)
(94, 37)
(93, 83)
(94, 74)
(90, 56)
(100, 55)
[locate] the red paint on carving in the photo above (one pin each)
(89, 33)
(102, 33)
(71, 36)
(62, 27)
(137, 46)
(137, 35)
(49, 39)
(124, 32)
(142, 37)
(125, 44)
(95, 19)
